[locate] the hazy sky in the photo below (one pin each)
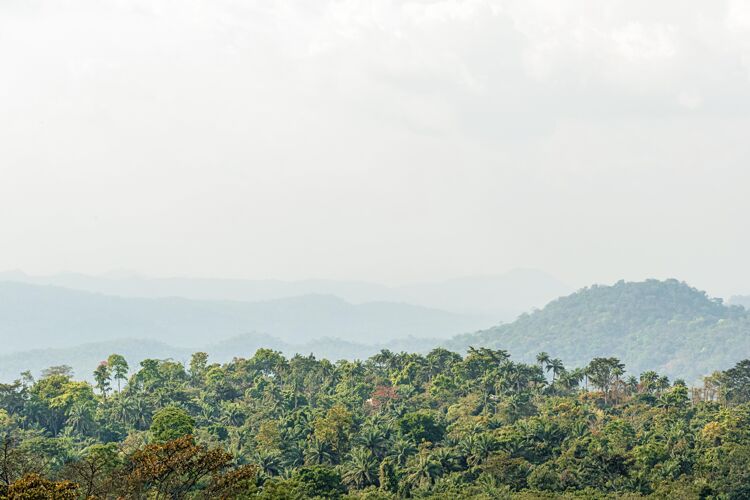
(392, 141)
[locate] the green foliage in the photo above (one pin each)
(662, 325)
(118, 367)
(737, 383)
(396, 425)
(319, 481)
(387, 475)
(171, 423)
(421, 426)
(102, 375)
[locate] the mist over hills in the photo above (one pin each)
(46, 316)
(78, 320)
(666, 326)
(502, 297)
(84, 358)
(506, 296)
(740, 300)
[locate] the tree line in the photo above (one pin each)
(397, 425)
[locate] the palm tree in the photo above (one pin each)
(543, 359)
(422, 471)
(648, 381)
(317, 453)
(206, 411)
(331, 374)
(466, 445)
(571, 379)
(632, 385)
(124, 409)
(138, 412)
(482, 448)
(231, 414)
(79, 417)
(361, 469)
(557, 368)
(487, 388)
(662, 384)
(269, 462)
(374, 440)
(514, 405)
(492, 487)
(384, 358)
(401, 450)
(446, 458)
(294, 455)
(604, 372)
(577, 430)
(238, 437)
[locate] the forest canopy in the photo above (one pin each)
(397, 425)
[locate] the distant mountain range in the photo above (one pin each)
(502, 297)
(666, 326)
(78, 320)
(50, 317)
(653, 325)
(84, 358)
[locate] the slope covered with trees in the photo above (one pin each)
(440, 425)
(663, 325)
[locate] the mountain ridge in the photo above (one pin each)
(58, 317)
(503, 296)
(84, 358)
(663, 325)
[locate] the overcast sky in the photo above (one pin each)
(392, 141)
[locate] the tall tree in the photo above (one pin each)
(557, 367)
(102, 376)
(119, 368)
(603, 372)
(361, 468)
(543, 359)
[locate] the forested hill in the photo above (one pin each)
(664, 325)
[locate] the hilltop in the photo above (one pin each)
(663, 325)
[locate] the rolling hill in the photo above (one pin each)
(666, 326)
(84, 358)
(34, 316)
(652, 325)
(502, 297)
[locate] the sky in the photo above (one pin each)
(389, 141)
